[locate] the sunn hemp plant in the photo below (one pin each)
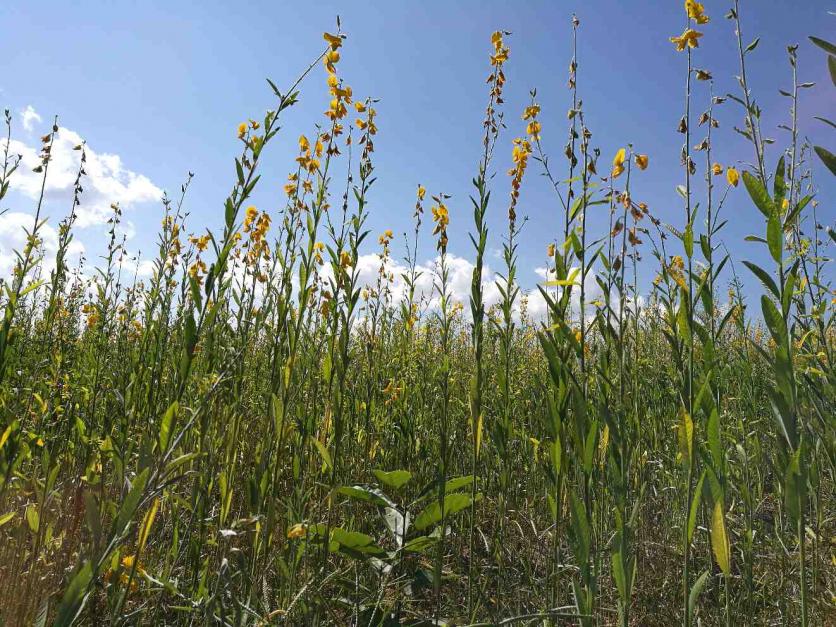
(256, 434)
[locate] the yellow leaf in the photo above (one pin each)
(5, 435)
(604, 442)
(478, 435)
(564, 282)
(147, 522)
(685, 436)
(720, 539)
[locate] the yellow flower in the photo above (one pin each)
(531, 112)
(533, 129)
(345, 259)
(687, 39)
(618, 162)
(297, 531)
(330, 59)
(732, 177)
(200, 242)
(304, 144)
(361, 108)
(502, 51)
(716, 169)
(695, 11)
(785, 204)
(641, 161)
(335, 41)
(421, 192)
(242, 130)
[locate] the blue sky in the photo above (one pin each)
(163, 85)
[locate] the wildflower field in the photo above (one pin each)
(254, 435)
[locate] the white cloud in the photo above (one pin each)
(107, 180)
(13, 228)
(460, 276)
(142, 268)
(29, 117)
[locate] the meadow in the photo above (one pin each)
(255, 436)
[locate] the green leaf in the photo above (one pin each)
(773, 320)
(827, 158)
(6, 518)
(688, 240)
(695, 506)
(456, 483)
(783, 416)
(355, 542)
(131, 502)
(33, 518)
(74, 597)
(618, 574)
(775, 237)
(696, 590)
(361, 493)
(779, 186)
(580, 529)
(794, 487)
(453, 503)
(824, 45)
(767, 280)
(166, 425)
(420, 544)
(758, 193)
(714, 443)
(394, 479)
(323, 451)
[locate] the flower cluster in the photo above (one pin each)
(496, 80)
(419, 207)
(393, 391)
(340, 94)
(520, 154)
(676, 270)
(246, 135)
(92, 313)
(690, 37)
(308, 159)
(530, 115)
(172, 229)
(441, 218)
(257, 225)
